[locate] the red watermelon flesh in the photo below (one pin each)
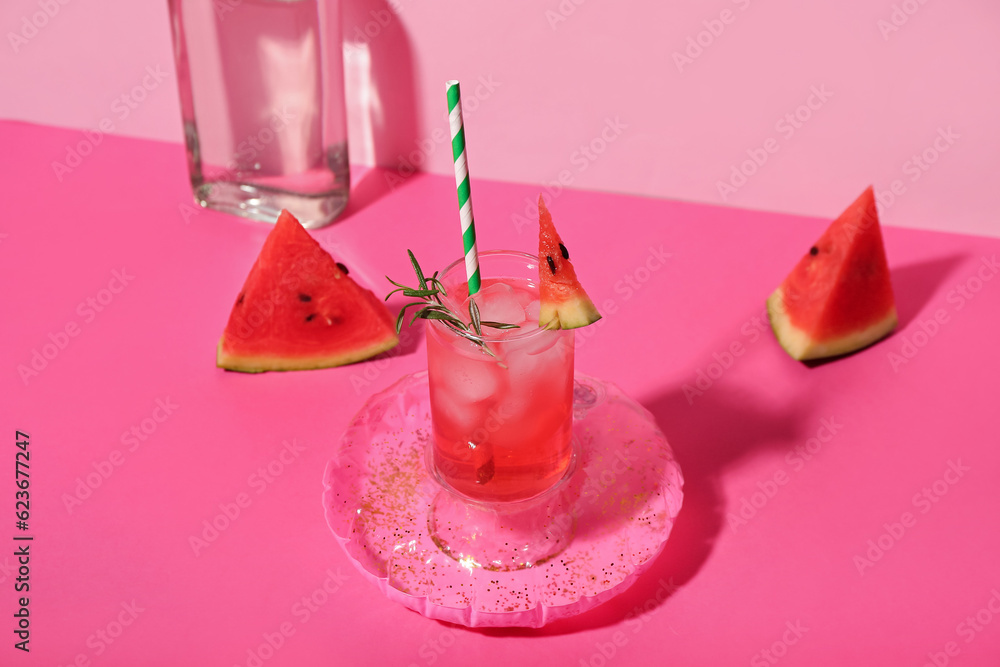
(838, 298)
(564, 302)
(299, 309)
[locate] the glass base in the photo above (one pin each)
(264, 204)
(502, 537)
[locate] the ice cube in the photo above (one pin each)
(457, 414)
(518, 401)
(534, 374)
(532, 311)
(471, 380)
(497, 303)
(529, 340)
(526, 294)
(524, 366)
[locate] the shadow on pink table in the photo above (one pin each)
(717, 433)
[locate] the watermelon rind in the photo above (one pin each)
(802, 347)
(571, 312)
(564, 302)
(264, 363)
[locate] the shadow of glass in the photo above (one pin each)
(710, 435)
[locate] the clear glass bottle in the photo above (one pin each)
(262, 99)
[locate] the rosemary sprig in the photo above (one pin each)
(428, 293)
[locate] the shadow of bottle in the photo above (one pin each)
(382, 97)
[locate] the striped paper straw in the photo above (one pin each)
(462, 181)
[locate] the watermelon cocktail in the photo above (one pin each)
(502, 417)
(500, 375)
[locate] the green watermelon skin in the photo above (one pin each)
(299, 310)
(564, 302)
(838, 298)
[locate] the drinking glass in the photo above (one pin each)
(502, 416)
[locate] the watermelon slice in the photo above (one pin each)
(299, 309)
(838, 299)
(565, 304)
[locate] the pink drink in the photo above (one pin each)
(502, 425)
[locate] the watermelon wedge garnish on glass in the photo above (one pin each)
(300, 309)
(838, 298)
(564, 302)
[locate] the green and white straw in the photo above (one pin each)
(462, 181)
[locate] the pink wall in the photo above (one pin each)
(544, 80)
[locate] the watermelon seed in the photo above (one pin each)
(239, 301)
(814, 251)
(552, 265)
(310, 316)
(565, 253)
(342, 268)
(305, 297)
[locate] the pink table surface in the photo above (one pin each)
(844, 513)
